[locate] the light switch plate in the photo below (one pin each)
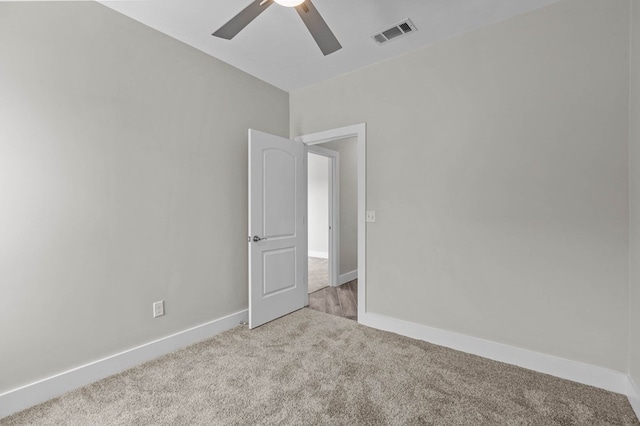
(371, 216)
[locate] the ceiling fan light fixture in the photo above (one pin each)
(289, 3)
(320, 31)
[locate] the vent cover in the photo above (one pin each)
(400, 29)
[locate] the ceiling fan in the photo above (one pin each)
(327, 42)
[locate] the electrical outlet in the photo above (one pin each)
(158, 309)
(371, 216)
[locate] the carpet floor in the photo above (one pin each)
(311, 368)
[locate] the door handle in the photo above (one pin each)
(256, 239)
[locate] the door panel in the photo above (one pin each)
(277, 237)
(279, 270)
(279, 171)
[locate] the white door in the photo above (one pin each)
(277, 232)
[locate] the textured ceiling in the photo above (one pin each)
(277, 48)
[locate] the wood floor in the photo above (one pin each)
(341, 301)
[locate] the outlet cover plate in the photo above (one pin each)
(371, 216)
(158, 309)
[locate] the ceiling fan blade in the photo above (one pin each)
(242, 19)
(327, 42)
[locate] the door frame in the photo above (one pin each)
(333, 158)
(359, 131)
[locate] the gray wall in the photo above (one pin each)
(347, 150)
(318, 203)
(634, 197)
(123, 177)
(497, 163)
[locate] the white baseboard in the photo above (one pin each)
(26, 396)
(633, 393)
(592, 375)
(319, 254)
(34, 393)
(349, 276)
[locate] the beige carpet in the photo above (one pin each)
(318, 274)
(311, 368)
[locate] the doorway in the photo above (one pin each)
(319, 223)
(337, 188)
(330, 290)
(323, 225)
(277, 214)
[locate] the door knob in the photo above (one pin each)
(256, 238)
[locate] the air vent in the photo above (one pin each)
(398, 30)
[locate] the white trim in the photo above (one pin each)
(592, 375)
(358, 131)
(633, 393)
(42, 390)
(319, 254)
(349, 276)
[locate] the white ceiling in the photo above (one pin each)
(277, 48)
